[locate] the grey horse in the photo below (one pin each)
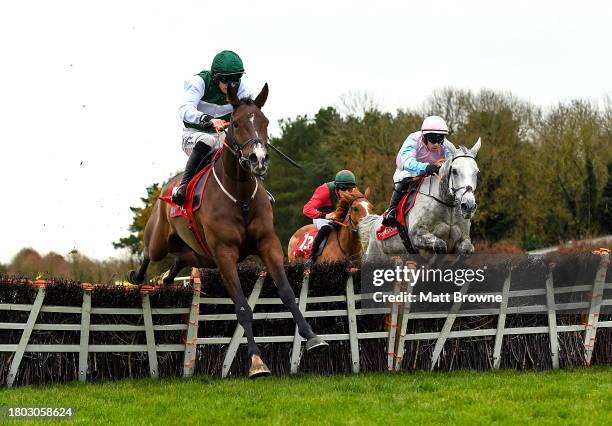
(439, 222)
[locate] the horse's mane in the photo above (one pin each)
(464, 150)
(345, 201)
(246, 101)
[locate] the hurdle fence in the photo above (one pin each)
(396, 334)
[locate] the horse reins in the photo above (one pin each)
(236, 150)
(454, 191)
(351, 223)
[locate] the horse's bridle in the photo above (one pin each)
(236, 148)
(352, 226)
(454, 191)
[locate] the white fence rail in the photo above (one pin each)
(396, 336)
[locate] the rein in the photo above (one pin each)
(448, 184)
(236, 150)
(351, 226)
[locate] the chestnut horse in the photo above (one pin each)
(236, 221)
(343, 243)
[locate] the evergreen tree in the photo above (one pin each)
(133, 242)
(605, 204)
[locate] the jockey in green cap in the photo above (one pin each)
(320, 208)
(204, 111)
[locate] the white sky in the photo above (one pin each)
(89, 91)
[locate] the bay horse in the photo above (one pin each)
(440, 220)
(343, 242)
(236, 221)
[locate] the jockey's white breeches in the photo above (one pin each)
(320, 223)
(192, 136)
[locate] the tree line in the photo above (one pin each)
(546, 174)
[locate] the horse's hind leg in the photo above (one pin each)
(137, 277)
(155, 243)
(226, 261)
(184, 258)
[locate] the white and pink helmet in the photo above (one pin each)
(434, 124)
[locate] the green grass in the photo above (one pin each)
(578, 396)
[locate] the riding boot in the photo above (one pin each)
(399, 189)
(200, 152)
(321, 235)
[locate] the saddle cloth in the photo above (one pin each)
(405, 205)
(193, 201)
(195, 191)
(304, 246)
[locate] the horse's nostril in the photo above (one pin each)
(464, 206)
(253, 158)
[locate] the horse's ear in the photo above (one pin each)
(451, 147)
(232, 96)
(367, 193)
(475, 148)
(260, 100)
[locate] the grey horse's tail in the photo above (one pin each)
(364, 230)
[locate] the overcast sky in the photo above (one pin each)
(89, 91)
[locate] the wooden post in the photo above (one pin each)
(501, 321)
(446, 329)
(596, 298)
(189, 357)
(148, 324)
(25, 337)
(352, 323)
(552, 318)
(84, 343)
(239, 332)
(401, 337)
(296, 351)
(392, 331)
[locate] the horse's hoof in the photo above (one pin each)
(316, 345)
(258, 368)
(131, 277)
(440, 247)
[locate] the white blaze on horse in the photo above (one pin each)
(439, 221)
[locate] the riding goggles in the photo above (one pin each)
(230, 78)
(434, 138)
(344, 187)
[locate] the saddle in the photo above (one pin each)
(405, 205)
(193, 199)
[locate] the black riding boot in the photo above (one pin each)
(399, 189)
(200, 151)
(321, 235)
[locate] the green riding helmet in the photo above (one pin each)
(227, 62)
(345, 178)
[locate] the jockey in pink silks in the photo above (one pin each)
(422, 153)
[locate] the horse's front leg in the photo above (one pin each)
(465, 247)
(428, 241)
(227, 260)
(271, 253)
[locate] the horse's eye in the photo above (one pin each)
(354, 209)
(455, 171)
(235, 123)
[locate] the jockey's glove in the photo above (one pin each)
(205, 122)
(432, 169)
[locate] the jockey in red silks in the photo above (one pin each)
(320, 208)
(205, 110)
(422, 153)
